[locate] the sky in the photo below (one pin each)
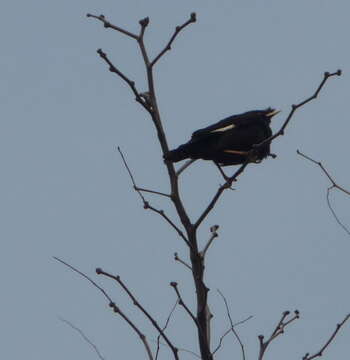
(65, 192)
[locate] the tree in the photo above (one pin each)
(188, 230)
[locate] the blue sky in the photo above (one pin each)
(65, 192)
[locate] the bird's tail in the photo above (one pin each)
(178, 154)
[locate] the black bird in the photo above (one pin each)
(228, 141)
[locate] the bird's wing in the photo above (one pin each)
(219, 128)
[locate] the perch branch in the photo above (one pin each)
(112, 305)
(280, 132)
(307, 356)
(251, 153)
(185, 166)
(178, 29)
(99, 271)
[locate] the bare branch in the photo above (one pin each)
(112, 305)
(214, 234)
(185, 166)
(307, 356)
(228, 331)
(280, 132)
(147, 205)
(177, 258)
(131, 83)
(107, 24)
(173, 284)
(164, 327)
(279, 330)
(84, 337)
(325, 171)
(334, 185)
(334, 213)
(232, 329)
(178, 29)
(99, 271)
(144, 23)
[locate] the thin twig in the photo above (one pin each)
(107, 24)
(178, 29)
(214, 234)
(99, 271)
(228, 331)
(177, 258)
(131, 83)
(152, 192)
(112, 305)
(325, 171)
(280, 132)
(164, 327)
(184, 166)
(279, 330)
(334, 186)
(82, 334)
(147, 205)
(173, 284)
(182, 350)
(334, 213)
(232, 326)
(307, 356)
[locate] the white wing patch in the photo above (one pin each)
(225, 128)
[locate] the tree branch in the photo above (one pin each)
(307, 356)
(280, 132)
(279, 330)
(334, 185)
(131, 83)
(232, 327)
(147, 205)
(107, 25)
(325, 171)
(173, 284)
(178, 29)
(99, 271)
(112, 305)
(164, 327)
(177, 258)
(86, 339)
(214, 234)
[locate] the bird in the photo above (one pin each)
(229, 141)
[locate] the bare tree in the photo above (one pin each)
(187, 229)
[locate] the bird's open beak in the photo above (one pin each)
(273, 113)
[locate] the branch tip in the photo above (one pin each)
(144, 22)
(98, 271)
(193, 17)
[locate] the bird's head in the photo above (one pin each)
(269, 113)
